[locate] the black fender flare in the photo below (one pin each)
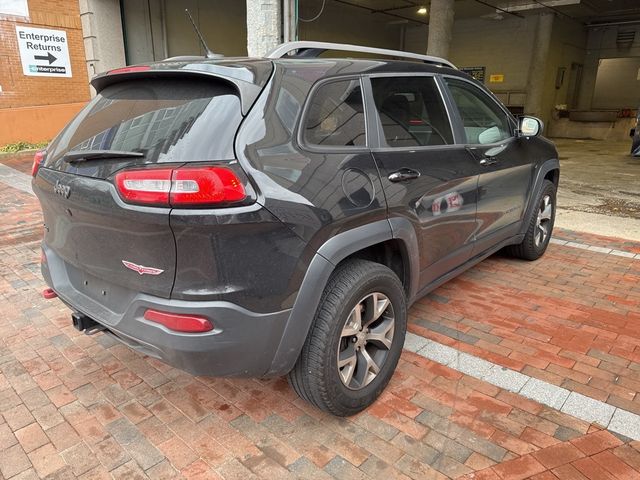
(332, 252)
(540, 173)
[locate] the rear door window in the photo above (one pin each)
(168, 120)
(335, 116)
(412, 112)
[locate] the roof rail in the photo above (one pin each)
(315, 49)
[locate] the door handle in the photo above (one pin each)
(403, 175)
(487, 161)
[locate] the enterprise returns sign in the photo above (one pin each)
(43, 52)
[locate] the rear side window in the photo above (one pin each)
(335, 117)
(169, 120)
(483, 120)
(412, 112)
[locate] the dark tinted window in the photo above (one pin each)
(411, 111)
(169, 120)
(336, 115)
(483, 120)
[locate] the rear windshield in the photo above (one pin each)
(169, 120)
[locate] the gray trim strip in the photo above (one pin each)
(286, 48)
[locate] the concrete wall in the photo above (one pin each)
(502, 46)
(601, 44)
(223, 25)
(568, 42)
(157, 29)
(102, 33)
(617, 83)
(345, 24)
(144, 30)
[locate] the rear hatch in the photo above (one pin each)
(100, 245)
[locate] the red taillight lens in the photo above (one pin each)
(179, 322)
(37, 161)
(139, 68)
(150, 187)
(181, 187)
(205, 185)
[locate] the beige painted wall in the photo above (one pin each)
(502, 46)
(568, 42)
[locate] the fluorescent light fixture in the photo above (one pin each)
(525, 5)
(422, 11)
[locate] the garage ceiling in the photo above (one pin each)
(585, 11)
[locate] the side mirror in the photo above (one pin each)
(529, 127)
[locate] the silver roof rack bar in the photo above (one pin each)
(314, 49)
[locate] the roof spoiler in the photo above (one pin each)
(247, 91)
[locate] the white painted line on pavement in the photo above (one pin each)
(571, 403)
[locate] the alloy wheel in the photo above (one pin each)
(543, 222)
(365, 340)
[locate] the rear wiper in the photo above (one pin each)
(84, 155)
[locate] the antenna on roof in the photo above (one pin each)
(209, 53)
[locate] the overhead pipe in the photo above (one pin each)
(613, 24)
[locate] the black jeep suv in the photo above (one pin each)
(275, 216)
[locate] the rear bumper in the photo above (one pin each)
(243, 343)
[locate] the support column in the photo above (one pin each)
(102, 34)
(537, 70)
(440, 28)
(289, 23)
(263, 26)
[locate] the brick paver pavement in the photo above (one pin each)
(74, 406)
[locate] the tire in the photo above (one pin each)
(349, 389)
(540, 226)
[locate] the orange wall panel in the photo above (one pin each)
(35, 124)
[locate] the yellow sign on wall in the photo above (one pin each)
(497, 78)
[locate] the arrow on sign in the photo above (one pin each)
(48, 56)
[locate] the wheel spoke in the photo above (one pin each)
(543, 229)
(367, 368)
(369, 309)
(347, 362)
(382, 335)
(376, 304)
(354, 322)
(545, 214)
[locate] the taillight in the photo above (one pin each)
(136, 68)
(198, 186)
(150, 187)
(179, 322)
(37, 161)
(205, 185)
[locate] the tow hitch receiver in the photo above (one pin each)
(85, 324)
